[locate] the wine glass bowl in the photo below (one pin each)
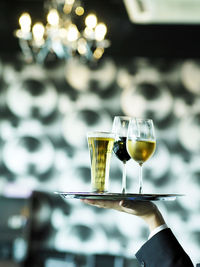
(141, 150)
(120, 129)
(141, 143)
(120, 149)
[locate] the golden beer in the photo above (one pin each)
(100, 148)
(141, 150)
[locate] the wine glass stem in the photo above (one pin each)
(140, 180)
(124, 178)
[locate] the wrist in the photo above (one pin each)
(154, 219)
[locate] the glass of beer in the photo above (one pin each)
(141, 143)
(100, 148)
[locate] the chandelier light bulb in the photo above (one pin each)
(88, 33)
(98, 53)
(25, 22)
(82, 46)
(63, 33)
(79, 11)
(38, 32)
(53, 17)
(69, 2)
(91, 21)
(67, 9)
(100, 31)
(72, 33)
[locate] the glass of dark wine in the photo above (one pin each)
(120, 129)
(141, 143)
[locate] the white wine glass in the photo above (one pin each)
(120, 129)
(141, 143)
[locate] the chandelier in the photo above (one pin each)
(66, 33)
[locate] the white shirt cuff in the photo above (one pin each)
(158, 229)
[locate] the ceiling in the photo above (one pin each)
(128, 39)
(168, 11)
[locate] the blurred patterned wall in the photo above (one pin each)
(45, 112)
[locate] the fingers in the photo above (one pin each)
(106, 204)
(138, 208)
(131, 204)
(136, 204)
(126, 203)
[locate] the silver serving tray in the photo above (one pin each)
(118, 196)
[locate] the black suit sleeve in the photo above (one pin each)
(163, 249)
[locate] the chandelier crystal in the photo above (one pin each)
(66, 33)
